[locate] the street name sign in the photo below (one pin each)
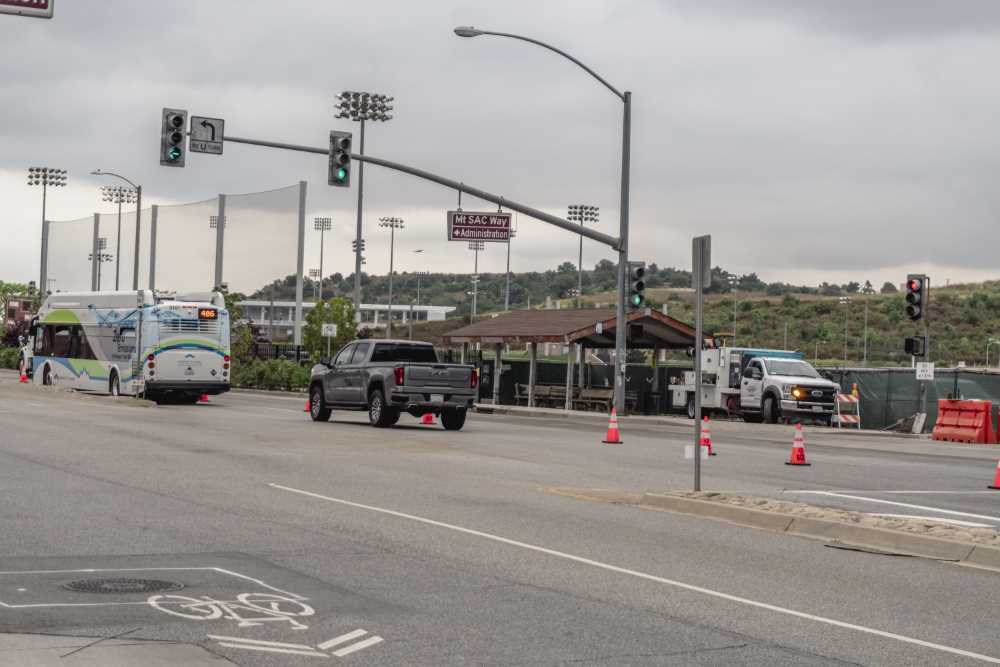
(207, 135)
(473, 226)
(925, 371)
(41, 9)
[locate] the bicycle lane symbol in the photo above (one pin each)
(247, 610)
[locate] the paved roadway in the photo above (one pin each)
(417, 546)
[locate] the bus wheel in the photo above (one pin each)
(115, 388)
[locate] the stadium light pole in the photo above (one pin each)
(322, 225)
(393, 224)
(313, 275)
(138, 220)
(583, 214)
(361, 107)
(117, 194)
(626, 98)
(45, 176)
(102, 244)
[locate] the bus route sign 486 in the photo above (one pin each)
(37, 8)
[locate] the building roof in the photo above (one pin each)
(594, 327)
(396, 307)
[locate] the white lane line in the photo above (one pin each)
(347, 650)
(898, 504)
(261, 642)
(651, 577)
(275, 649)
(341, 639)
(935, 519)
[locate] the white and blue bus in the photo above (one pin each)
(167, 349)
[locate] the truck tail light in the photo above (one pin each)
(398, 375)
(474, 382)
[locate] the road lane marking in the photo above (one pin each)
(275, 649)
(330, 643)
(899, 504)
(261, 642)
(650, 577)
(935, 519)
(347, 650)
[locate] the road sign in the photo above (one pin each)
(925, 371)
(473, 226)
(329, 330)
(41, 9)
(701, 254)
(207, 135)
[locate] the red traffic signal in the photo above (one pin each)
(916, 296)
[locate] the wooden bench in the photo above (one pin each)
(594, 399)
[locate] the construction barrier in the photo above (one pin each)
(848, 411)
(965, 421)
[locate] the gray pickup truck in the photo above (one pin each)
(389, 377)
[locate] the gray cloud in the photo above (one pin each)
(808, 137)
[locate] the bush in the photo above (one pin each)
(10, 357)
(274, 374)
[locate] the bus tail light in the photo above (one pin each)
(150, 357)
(397, 374)
(226, 366)
(474, 382)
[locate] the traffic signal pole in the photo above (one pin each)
(357, 237)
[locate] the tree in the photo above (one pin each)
(567, 267)
(339, 311)
(868, 288)
(889, 288)
(240, 336)
(7, 293)
(852, 287)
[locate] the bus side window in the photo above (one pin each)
(61, 341)
(74, 342)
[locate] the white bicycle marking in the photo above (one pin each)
(248, 609)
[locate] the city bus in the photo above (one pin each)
(164, 348)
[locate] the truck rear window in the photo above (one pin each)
(420, 354)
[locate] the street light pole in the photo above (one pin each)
(393, 224)
(845, 301)
(45, 176)
(476, 246)
(361, 107)
(323, 225)
(733, 282)
(138, 219)
(626, 98)
(506, 294)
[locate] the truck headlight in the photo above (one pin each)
(798, 393)
(786, 391)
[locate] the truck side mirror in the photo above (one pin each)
(325, 361)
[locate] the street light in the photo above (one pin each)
(45, 176)
(476, 247)
(583, 214)
(138, 220)
(322, 225)
(733, 282)
(626, 98)
(314, 274)
(102, 244)
(118, 194)
(361, 107)
(393, 224)
(845, 301)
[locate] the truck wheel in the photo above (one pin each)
(318, 412)
(380, 414)
(690, 407)
(771, 415)
(453, 419)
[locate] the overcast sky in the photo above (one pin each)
(815, 140)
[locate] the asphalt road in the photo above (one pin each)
(298, 542)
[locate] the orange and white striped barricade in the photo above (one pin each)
(848, 411)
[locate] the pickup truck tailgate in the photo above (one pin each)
(438, 375)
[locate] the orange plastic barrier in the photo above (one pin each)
(965, 421)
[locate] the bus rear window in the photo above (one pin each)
(419, 354)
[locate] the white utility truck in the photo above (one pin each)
(758, 385)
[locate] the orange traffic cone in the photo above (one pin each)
(706, 436)
(308, 406)
(613, 437)
(203, 399)
(24, 378)
(996, 480)
(798, 455)
(428, 418)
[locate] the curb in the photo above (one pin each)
(267, 392)
(878, 538)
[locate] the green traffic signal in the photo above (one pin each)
(174, 153)
(636, 300)
(341, 174)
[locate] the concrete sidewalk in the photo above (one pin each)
(26, 650)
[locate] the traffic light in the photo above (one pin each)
(636, 284)
(340, 159)
(914, 346)
(916, 296)
(172, 137)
